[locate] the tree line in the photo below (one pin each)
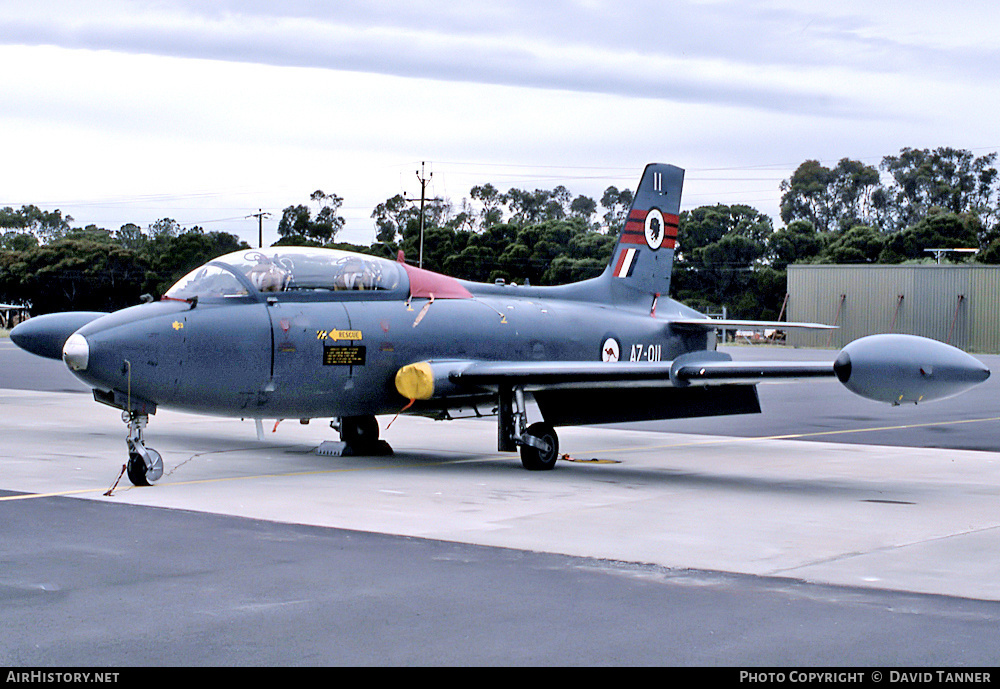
(728, 255)
(49, 266)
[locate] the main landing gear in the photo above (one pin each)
(538, 443)
(358, 436)
(539, 447)
(145, 465)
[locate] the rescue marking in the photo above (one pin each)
(338, 335)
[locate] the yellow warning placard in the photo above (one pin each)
(344, 356)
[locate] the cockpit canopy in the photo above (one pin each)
(287, 269)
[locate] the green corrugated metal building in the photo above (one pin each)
(957, 304)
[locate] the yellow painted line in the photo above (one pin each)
(381, 467)
(292, 474)
(318, 472)
(29, 496)
(883, 428)
(128, 487)
(721, 440)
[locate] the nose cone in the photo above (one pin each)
(76, 352)
(46, 335)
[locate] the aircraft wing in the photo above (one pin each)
(428, 379)
(678, 373)
(891, 368)
(703, 383)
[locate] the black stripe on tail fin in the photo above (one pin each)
(644, 256)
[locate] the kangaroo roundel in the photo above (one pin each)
(654, 229)
(611, 351)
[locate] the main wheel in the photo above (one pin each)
(359, 431)
(540, 459)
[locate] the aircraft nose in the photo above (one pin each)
(46, 335)
(76, 352)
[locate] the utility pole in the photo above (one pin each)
(260, 214)
(939, 253)
(423, 186)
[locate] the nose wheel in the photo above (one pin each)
(144, 470)
(145, 465)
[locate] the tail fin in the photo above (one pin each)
(644, 256)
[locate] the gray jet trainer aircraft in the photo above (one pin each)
(305, 333)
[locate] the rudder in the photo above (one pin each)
(644, 255)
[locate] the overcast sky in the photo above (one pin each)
(204, 111)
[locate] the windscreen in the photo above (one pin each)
(207, 281)
(289, 269)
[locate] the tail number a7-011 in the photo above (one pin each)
(644, 352)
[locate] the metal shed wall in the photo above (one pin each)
(954, 304)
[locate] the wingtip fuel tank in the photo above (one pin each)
(902, 369)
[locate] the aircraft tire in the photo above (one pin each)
(359, 431)
(136, 470)
(140, 474)
(534, 459)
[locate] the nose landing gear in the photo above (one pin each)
(145, 465)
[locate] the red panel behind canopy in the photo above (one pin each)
(425, 284)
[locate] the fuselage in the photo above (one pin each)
(267, 346)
